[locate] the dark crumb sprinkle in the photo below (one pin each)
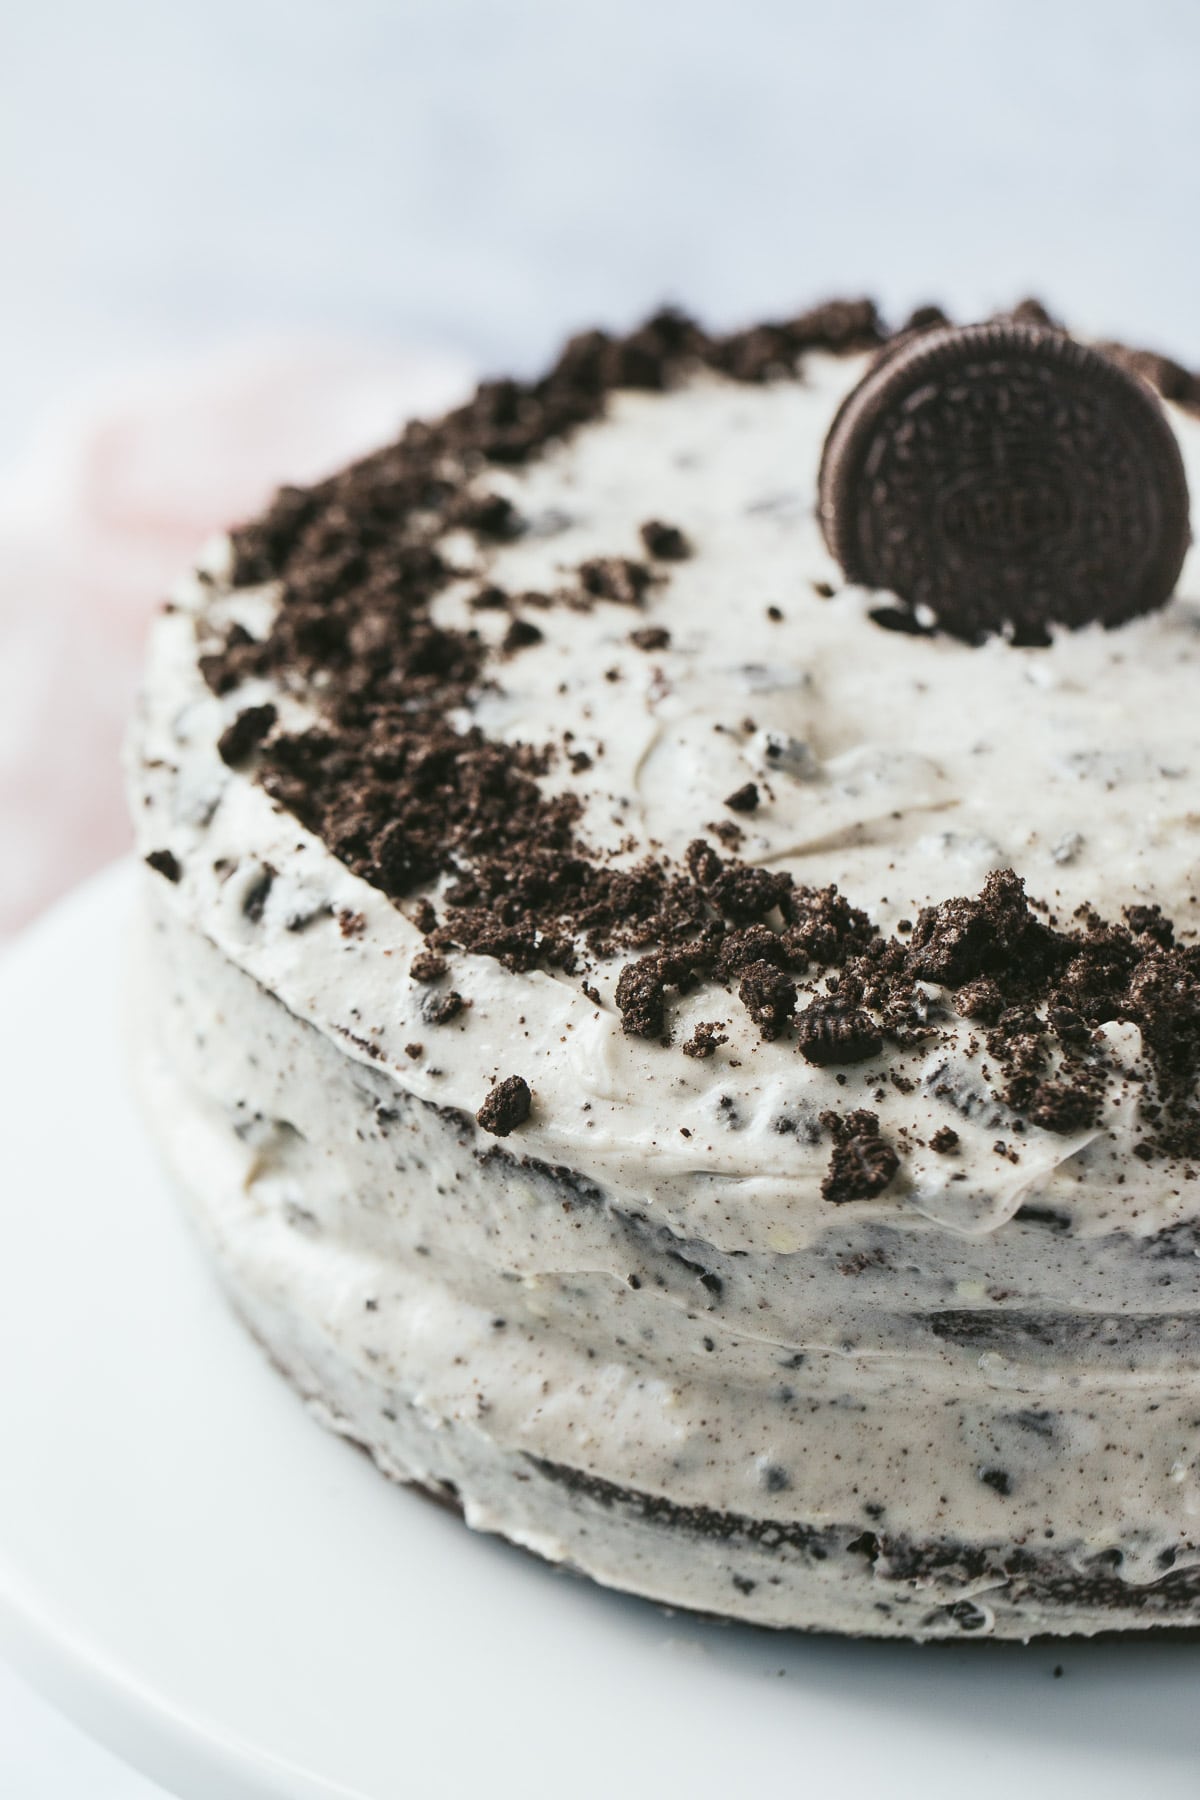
(775, 614)
(367, 1045)
(829, 1032)
(427, 965)
(165, 863)
(863, 1162)
(414, 1052)
(1063, 1107)
(641, 997)
(424, 917)
(744, 799)
(489, 599)
(650, 637)
(769, 996)
(980, 1000)
(255, 901)
(705, 1039)
(666, 542)
(592, 992)
(506, 1107)
(999, 1479)
(351, 924)
(239, 740)
(944, 1140)
(924, 318)
(439, 1009)
(704, 865)
(616, 578)
(520, 633)
(487, 515)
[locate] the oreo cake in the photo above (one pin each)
(671, 978)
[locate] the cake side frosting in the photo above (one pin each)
(815, 1440)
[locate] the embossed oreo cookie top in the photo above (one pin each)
(1005, 478)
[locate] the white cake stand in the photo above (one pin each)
(239, 1604)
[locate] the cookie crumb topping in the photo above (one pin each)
(506, 1107)
(412, 795)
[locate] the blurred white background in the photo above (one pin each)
(488, 175)
(241, 238)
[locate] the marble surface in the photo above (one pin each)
(241, 240)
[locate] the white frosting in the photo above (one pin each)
(904, 769)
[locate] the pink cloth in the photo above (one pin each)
(107, 510)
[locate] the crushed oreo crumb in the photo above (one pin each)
(829, 1032)
(863, 1162)
(769, 996)
(665, 542)
(439, 1009)
(506, 1107)
(489, 599)
(165, 863)
(255, 902)
(650, 637)
(744, 799)
(240, 739)
(705, 1039)
(427, 965)
(642, 997)
(520, 633)
(615, 578)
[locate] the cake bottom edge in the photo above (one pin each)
(784, 1577)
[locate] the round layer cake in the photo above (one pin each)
(690, 1058)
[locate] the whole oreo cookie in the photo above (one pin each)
(1006, 479)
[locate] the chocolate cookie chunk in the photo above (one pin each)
(1006, 478)
(506, 1107)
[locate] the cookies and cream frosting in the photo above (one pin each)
(552, 775)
